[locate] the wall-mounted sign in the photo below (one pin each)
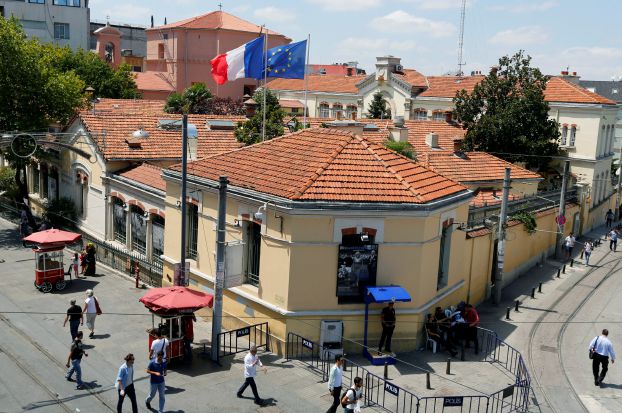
(356, 270)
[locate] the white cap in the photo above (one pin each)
(89, 292)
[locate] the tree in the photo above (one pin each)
(225, 106)
(194, 100)
(378, 108)
(506, 114)
(403, 148)
(249, 132)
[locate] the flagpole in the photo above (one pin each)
(265, 80)
(304, 122)
(217, 53)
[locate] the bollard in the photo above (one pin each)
(427, 381)
(571, 262)
(533, 292)
(137, 271)
(559, 270)
(564, 269)
(386, 370)
(448, 369)
(540, 287)
(507, 313)
(516, 304)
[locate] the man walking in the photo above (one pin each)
(92, 310)
(353, 395)
(601, 349)
(156, 370)
(125, 384)
(74, 315)
(613, 239)
(73, 361)
(387, 318)
(587, 251)
(334, 383)
(250, 371)
(609, 218)
(569, 244)
(188, 321)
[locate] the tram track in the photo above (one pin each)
(533, 345)
(28, 371)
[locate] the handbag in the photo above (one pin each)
(593, 349)
(97, 307)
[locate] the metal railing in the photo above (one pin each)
(303, 350)
(239, 340)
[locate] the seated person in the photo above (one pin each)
(457, 327)
(434, 333)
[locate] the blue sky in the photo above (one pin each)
(424, 33)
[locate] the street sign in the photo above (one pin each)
(560, 219)
(452, 401)
(391, 388)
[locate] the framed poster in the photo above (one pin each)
(356, 270)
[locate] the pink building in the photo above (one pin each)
(179, 54)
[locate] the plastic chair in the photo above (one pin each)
(429, 339)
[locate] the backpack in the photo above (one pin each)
(344, 394)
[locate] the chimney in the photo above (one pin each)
(571, 77)
(458, 148)
(397, 132)
(431, 139)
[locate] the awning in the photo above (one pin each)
(385, 294)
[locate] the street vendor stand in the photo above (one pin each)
(167, 306)
(49, 267)
(381, 294)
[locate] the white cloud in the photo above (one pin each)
(526, 7)
(341, 5)
(363, 45)
(520, 36)
(240, 9)
(401, 22)
(274, 14)
(592, 53)
(436, 4)
(129, 13)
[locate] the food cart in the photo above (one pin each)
(49, 267)
(168, 306)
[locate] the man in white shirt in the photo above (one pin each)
(353, 395)
(250, 371)
(334, 383)
(602, 350)
(160, 344)
(569, 244)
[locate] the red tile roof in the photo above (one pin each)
(562, 90)
(327, 165)
(416, 79)
(153, 81)
(129, 106)
(448, 86)
(111, 131)
(291, 103)
(487, 197)
(146, 174)
(216, 20)
(319, 83)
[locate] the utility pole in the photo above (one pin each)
(496, 298)
(562, 211)
(181, 279)
(219, 283)
(617, 214)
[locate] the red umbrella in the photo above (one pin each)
(53, 236)
(175, 300)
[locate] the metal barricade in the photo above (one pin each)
(303, 350)
(241, 339)
(451, 404)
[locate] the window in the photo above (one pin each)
(192, 230)
(1, 11)
(564, 135)
(252, 254)
(421, 114)
(37, 1)
(338, 110)
(61, 30)
(81, 195)
(160, 50)
(573, 135)
(118, 222)
(324, 111)
(438, 116)
(137, 69)
(44, 181)
(443, 256)
(294, 110)
(35, 179)
(249, 90)
(157, 237)
(356, 264)
(138, 225)
(165, 36)
(70, 3)
(351, 112)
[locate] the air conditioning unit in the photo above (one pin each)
(399, 68)
(331, 338)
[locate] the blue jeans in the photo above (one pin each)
(75, 366)
(160, 388)
(73, 328)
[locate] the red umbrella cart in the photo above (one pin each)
(49, 267)
(169, 305)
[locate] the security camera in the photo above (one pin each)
(364, 237)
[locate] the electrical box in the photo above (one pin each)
(331, 338)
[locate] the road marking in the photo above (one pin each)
(592, 405)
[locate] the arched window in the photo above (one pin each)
(573, 135)
(118, 223)
(438, 116)
(109, 52)
(338, 110)
(324, 110)
(138, 226)
(564, 141)
(157, 237)
(421, 114)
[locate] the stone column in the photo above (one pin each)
(109, 219)
(149, 240)
(128, 228)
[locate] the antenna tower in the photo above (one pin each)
(461, 38)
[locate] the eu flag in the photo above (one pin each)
(287, 61)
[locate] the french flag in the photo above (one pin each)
(245, 61)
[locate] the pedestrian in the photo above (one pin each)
(76, 264)
(472, 319)
(587, 251)
(601, 349)
(188, 321)
(156, 370)
(75, 317)
(92, 310)
(159, 345)
(90, 259)
(125, 384)
(335, 378)
(74, 359)
(609, 218)
(387, 318)
(569, 244)
(83, 261)
(250, 371)
(613, 239)
(352, 396)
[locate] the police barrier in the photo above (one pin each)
(240, 340)
(303, 350)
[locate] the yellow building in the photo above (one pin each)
(337, 212)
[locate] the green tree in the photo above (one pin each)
(249, 132)
(403, 148)
(506, 114)
(194, 100)
(378, 108)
